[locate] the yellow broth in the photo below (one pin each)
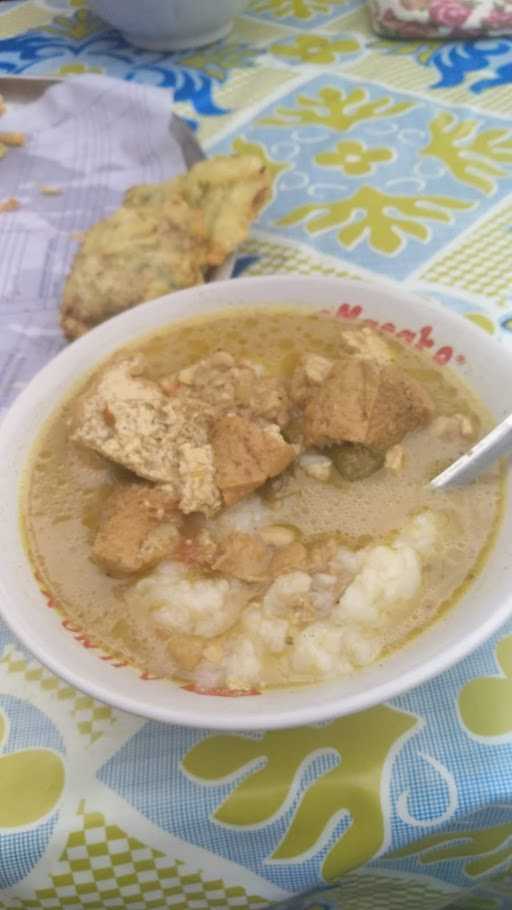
(66, 486)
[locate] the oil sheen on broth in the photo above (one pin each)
(364, 537)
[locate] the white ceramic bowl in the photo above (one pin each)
(487, 366)
(170, 25)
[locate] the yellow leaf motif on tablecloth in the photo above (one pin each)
(501, 884)
(474, 157)
(300, 9)
(77, 69)
(80, 25)
(362, 742)
(103, 866)
(92, 718)
(482, 851)
(354, 158)
(31, 783)
(485, 703)
(316, 48)
(422, 50)
(217, 61)
(384, 219)
(483, 322)
(337, 109)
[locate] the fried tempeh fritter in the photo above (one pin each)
(164, 237)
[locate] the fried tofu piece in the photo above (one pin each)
(139, 527)
(311, 372)
(168, 438)
(227, 384)
(199, 492)
(128, 419)
(291, 558)
(263, 396)
(230, 190)
(368, 343)
(243, 556)
(200, 550)
(137, 254)
(365, 402)
(246, 456)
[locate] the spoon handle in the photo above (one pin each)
(482, 455)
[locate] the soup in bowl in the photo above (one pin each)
(227, 503)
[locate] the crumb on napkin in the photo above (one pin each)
(48, 190)
(9, 205)
(13, 139)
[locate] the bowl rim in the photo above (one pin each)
(280, 717)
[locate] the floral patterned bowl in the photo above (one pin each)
(71, 652)
(170, 25)
(441, 18)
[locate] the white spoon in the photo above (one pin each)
(482, 455)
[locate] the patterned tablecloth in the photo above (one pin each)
(389, 158)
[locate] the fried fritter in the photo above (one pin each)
(230, 190)
(135, 255)
(164, 237)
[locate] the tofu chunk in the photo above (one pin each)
(365, 402)
(369, 344)
(311, 372)
(246, 456)
(140, 527)
(263, 397)
(128, 419)
(240, 386)
(199, 491)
